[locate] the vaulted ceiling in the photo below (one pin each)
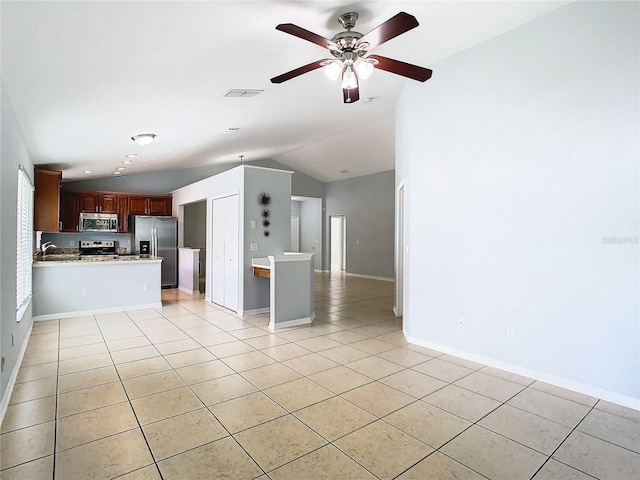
(83, 77)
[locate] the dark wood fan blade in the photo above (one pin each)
(298, 71)
(300, 32)
(351, 95)
(397, 25)
(401, 68)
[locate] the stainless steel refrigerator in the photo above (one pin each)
(161, 233)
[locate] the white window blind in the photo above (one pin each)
(24, 249)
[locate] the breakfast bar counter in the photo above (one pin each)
(291, 277)
(72, 288)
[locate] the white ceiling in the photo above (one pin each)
(83, 77)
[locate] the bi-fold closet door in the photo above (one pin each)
(226, 222)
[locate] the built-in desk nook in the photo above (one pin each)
(291, 277)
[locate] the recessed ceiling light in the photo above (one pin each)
(117, 172)
(131, 155)
(369, 100)
(88, 171)
(231, 130)
(144, 139)
(120, 168)
(127, 162)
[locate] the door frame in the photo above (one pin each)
(401, 249)
(343, 242)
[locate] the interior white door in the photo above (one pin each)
(218, 252)
(295, 234)
(231, 256)
(338, 251)
(225, 252)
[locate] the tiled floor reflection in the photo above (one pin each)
(190, 391)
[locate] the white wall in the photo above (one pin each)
(217, 186)
(520, 159)
(246, 181)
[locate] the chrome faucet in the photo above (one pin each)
(46, 246)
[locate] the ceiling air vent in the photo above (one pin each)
(241, 92)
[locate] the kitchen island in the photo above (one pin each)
(73, 288)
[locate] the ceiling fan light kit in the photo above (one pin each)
(350, 49)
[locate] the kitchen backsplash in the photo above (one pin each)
(72, 240)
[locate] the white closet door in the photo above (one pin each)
(218, 251)
(231, 256)
(225, 252)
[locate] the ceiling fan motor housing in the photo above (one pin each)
(348, 20)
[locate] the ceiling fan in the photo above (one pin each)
(350, 53)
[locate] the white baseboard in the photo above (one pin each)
(579, 387)
(372, 277)
(186, 290)
(97, 311)
(256, 311)
(14, 375)
(292, 323)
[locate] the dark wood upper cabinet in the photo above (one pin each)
(69, 210)
(72, 202)
(46, 200)
(98, 202)
(149, 205)
(138, 205)
(160, 205)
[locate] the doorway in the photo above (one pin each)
(338, 233)
(295, 234)
(195, 235)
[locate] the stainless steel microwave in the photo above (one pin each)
(98, 222)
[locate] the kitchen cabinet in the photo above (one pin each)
(46, 200)
(123, 214)
(149, 205)
(69, 210)
(99, 202)
(72, 202)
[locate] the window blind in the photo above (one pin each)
(24, 250)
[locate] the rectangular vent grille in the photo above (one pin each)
(240, 92)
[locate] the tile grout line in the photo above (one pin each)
(130, 405)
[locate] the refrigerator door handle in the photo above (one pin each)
(154, 237)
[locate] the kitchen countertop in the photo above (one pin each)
(89, 262)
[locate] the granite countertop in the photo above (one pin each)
(121, 260)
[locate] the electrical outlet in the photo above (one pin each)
(509, 333)
(85, 292)
(145, 287)
(254, 247)
(461, 322)
(253, 224)
(72, 243)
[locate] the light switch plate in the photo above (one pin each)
(253, 224)
(254, 247)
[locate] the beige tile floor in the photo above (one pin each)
(190, 391)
